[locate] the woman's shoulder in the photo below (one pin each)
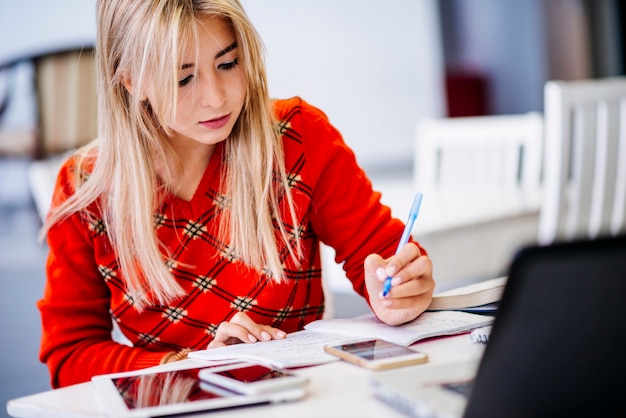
(283, 107)
(296, 107)
(73, 169)
(307, 132)
(79, 163)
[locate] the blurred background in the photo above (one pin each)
(375, 70)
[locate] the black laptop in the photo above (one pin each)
(557, 347)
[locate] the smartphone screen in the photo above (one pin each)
(252, 378)
(377, 354)
(376, 349)
(253, 373)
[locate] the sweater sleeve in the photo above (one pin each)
(347, 212)
(76, 341)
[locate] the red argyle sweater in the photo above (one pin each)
(335, 204)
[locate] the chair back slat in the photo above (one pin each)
(605, 170)
(575, 210)
(618, 219)
(584, 173)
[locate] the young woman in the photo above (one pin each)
(194, 220)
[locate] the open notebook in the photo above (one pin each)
(556, 348)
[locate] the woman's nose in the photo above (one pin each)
(212, 92)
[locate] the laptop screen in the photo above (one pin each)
(558, 341)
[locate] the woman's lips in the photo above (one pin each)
(217, 122)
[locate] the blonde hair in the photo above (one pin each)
(142, 40)
(163, 388)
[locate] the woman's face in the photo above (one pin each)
(211, 86)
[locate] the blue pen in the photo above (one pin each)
(415, 209)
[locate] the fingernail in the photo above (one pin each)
(252, 338)
(280, 334)
(391, 270)
(380, 273)
(386, 303)
(265, 336)
(396, 281)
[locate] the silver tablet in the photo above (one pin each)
(156, 392)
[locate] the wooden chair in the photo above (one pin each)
(65, 89)
(585, 160)
(64, 96)
(65, 85)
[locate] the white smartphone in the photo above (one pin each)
(252, 379)
(376, 354)
(149, 393)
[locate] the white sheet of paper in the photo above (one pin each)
(302, 348)
(428, 324)
(306, 348)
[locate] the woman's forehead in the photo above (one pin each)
(209, 34)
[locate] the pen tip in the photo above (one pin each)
(386, 288)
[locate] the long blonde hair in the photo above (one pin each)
(143, 40)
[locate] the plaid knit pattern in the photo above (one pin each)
(334, 203)
(216, 282)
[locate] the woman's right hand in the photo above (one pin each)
(242, 329)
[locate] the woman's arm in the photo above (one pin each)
(348, 216)
(76, 342)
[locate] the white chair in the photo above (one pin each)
(491, 162)
(481, 152)
(481, 179)
(585, 160)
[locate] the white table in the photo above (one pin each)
(335, 389)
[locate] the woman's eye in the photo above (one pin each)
(184, 81)
(229, 65)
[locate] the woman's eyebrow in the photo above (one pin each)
(226, 50)
(219, 54)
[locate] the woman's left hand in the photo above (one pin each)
(242, 329)
(412, 284)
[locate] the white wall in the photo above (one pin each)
(33, 26)
(373, 69)
(30, 26)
